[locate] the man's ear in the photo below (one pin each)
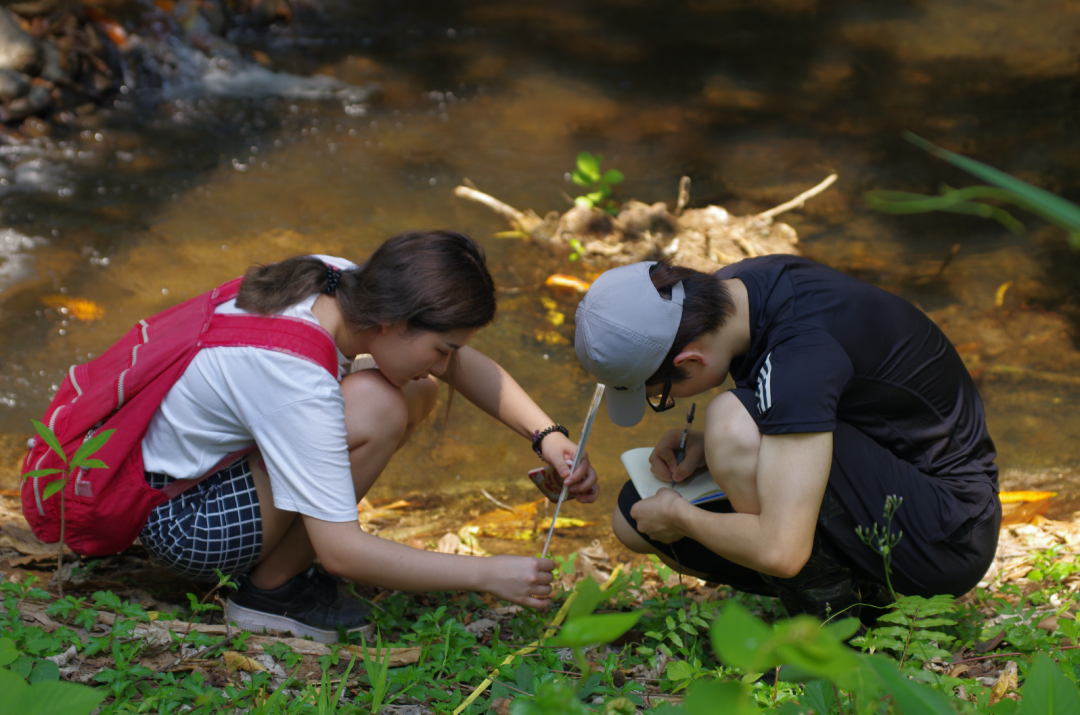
(692, 355)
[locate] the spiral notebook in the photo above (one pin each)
(698, 489)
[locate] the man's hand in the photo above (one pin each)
(662, 458)
(658, 516)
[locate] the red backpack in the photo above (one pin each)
(106, 508)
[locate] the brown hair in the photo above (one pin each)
(706, 308)
(429, 280)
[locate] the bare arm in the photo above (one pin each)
(347, 551)
(791, 477)
(484, 382)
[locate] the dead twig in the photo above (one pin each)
(798, 201)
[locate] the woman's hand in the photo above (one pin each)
(559, 452)
(662, 458)
(658, 516)
(519, 579)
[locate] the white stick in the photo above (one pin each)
(577, 459)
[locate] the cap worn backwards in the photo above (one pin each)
(624, 330)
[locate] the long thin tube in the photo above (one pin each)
(577, 459)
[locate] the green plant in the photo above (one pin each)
(80, 460)
(200, 606)
(1006, 188)
(883, 541)
(583, 628)
(376, 668)
(587, 174)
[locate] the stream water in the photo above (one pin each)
(159, 198)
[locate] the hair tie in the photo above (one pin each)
(333, 277)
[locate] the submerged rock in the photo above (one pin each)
(13, 85)
(18, 50)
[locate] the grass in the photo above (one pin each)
(464, 639)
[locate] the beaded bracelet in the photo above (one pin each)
(538, 437)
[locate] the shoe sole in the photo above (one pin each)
(247, 619)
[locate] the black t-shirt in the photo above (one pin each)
(827, 347)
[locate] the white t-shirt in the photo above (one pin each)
(231, 397)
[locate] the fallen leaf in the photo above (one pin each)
(566, 282)
(1019, 496)
(501, 706)
(398, 656)
(1048, 624)
(989, 645)
(234, 662)
(999, 294)
(1024, 512)
(1005, 682)
(959, 669)
(78, 308)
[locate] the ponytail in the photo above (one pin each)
(706, 307)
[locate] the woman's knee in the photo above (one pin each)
(374, 407)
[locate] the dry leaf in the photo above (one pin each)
(1005, 682)
(959, 669)
(1024, 512)
(234, 662)
(1012, 497)
(78, 308)
(398, 656)
(501, 706)
(1048, 624)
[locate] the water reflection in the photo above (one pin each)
(755, 101)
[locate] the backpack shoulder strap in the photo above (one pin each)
(293, 336)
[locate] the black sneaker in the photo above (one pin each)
(308, 604)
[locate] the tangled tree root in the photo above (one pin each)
(705, 239)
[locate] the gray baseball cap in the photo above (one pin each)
(625, 328)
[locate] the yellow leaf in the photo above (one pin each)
(511, 234)
(234, 661)
(78, 308)
(556, 318)
(568, 282)
(999, 294)
(550, 337)
(1013, 497)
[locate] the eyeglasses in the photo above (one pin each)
(665, 401)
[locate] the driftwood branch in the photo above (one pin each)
(799, 200)
(684, 195)
(507, 211)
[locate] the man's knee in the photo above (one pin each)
(628, 536)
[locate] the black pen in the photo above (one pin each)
(680, 453)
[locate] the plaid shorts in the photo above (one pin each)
(214, 524)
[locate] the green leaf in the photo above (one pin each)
(90, 446)
(588, 598)
(737, 637)
(53, 487)
(911, 698)
(8, 653)
(12, 686)
(44, 671)
(589, 166)
(709, 698)
(1047, 690)
(594, 197)
(50, 439)
(678, 670)
(91, 464)
(580, 179)
(612, 176)
(40, 473)
(58, 698)
(1053, 208)
(844, 629)
(593, 630)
